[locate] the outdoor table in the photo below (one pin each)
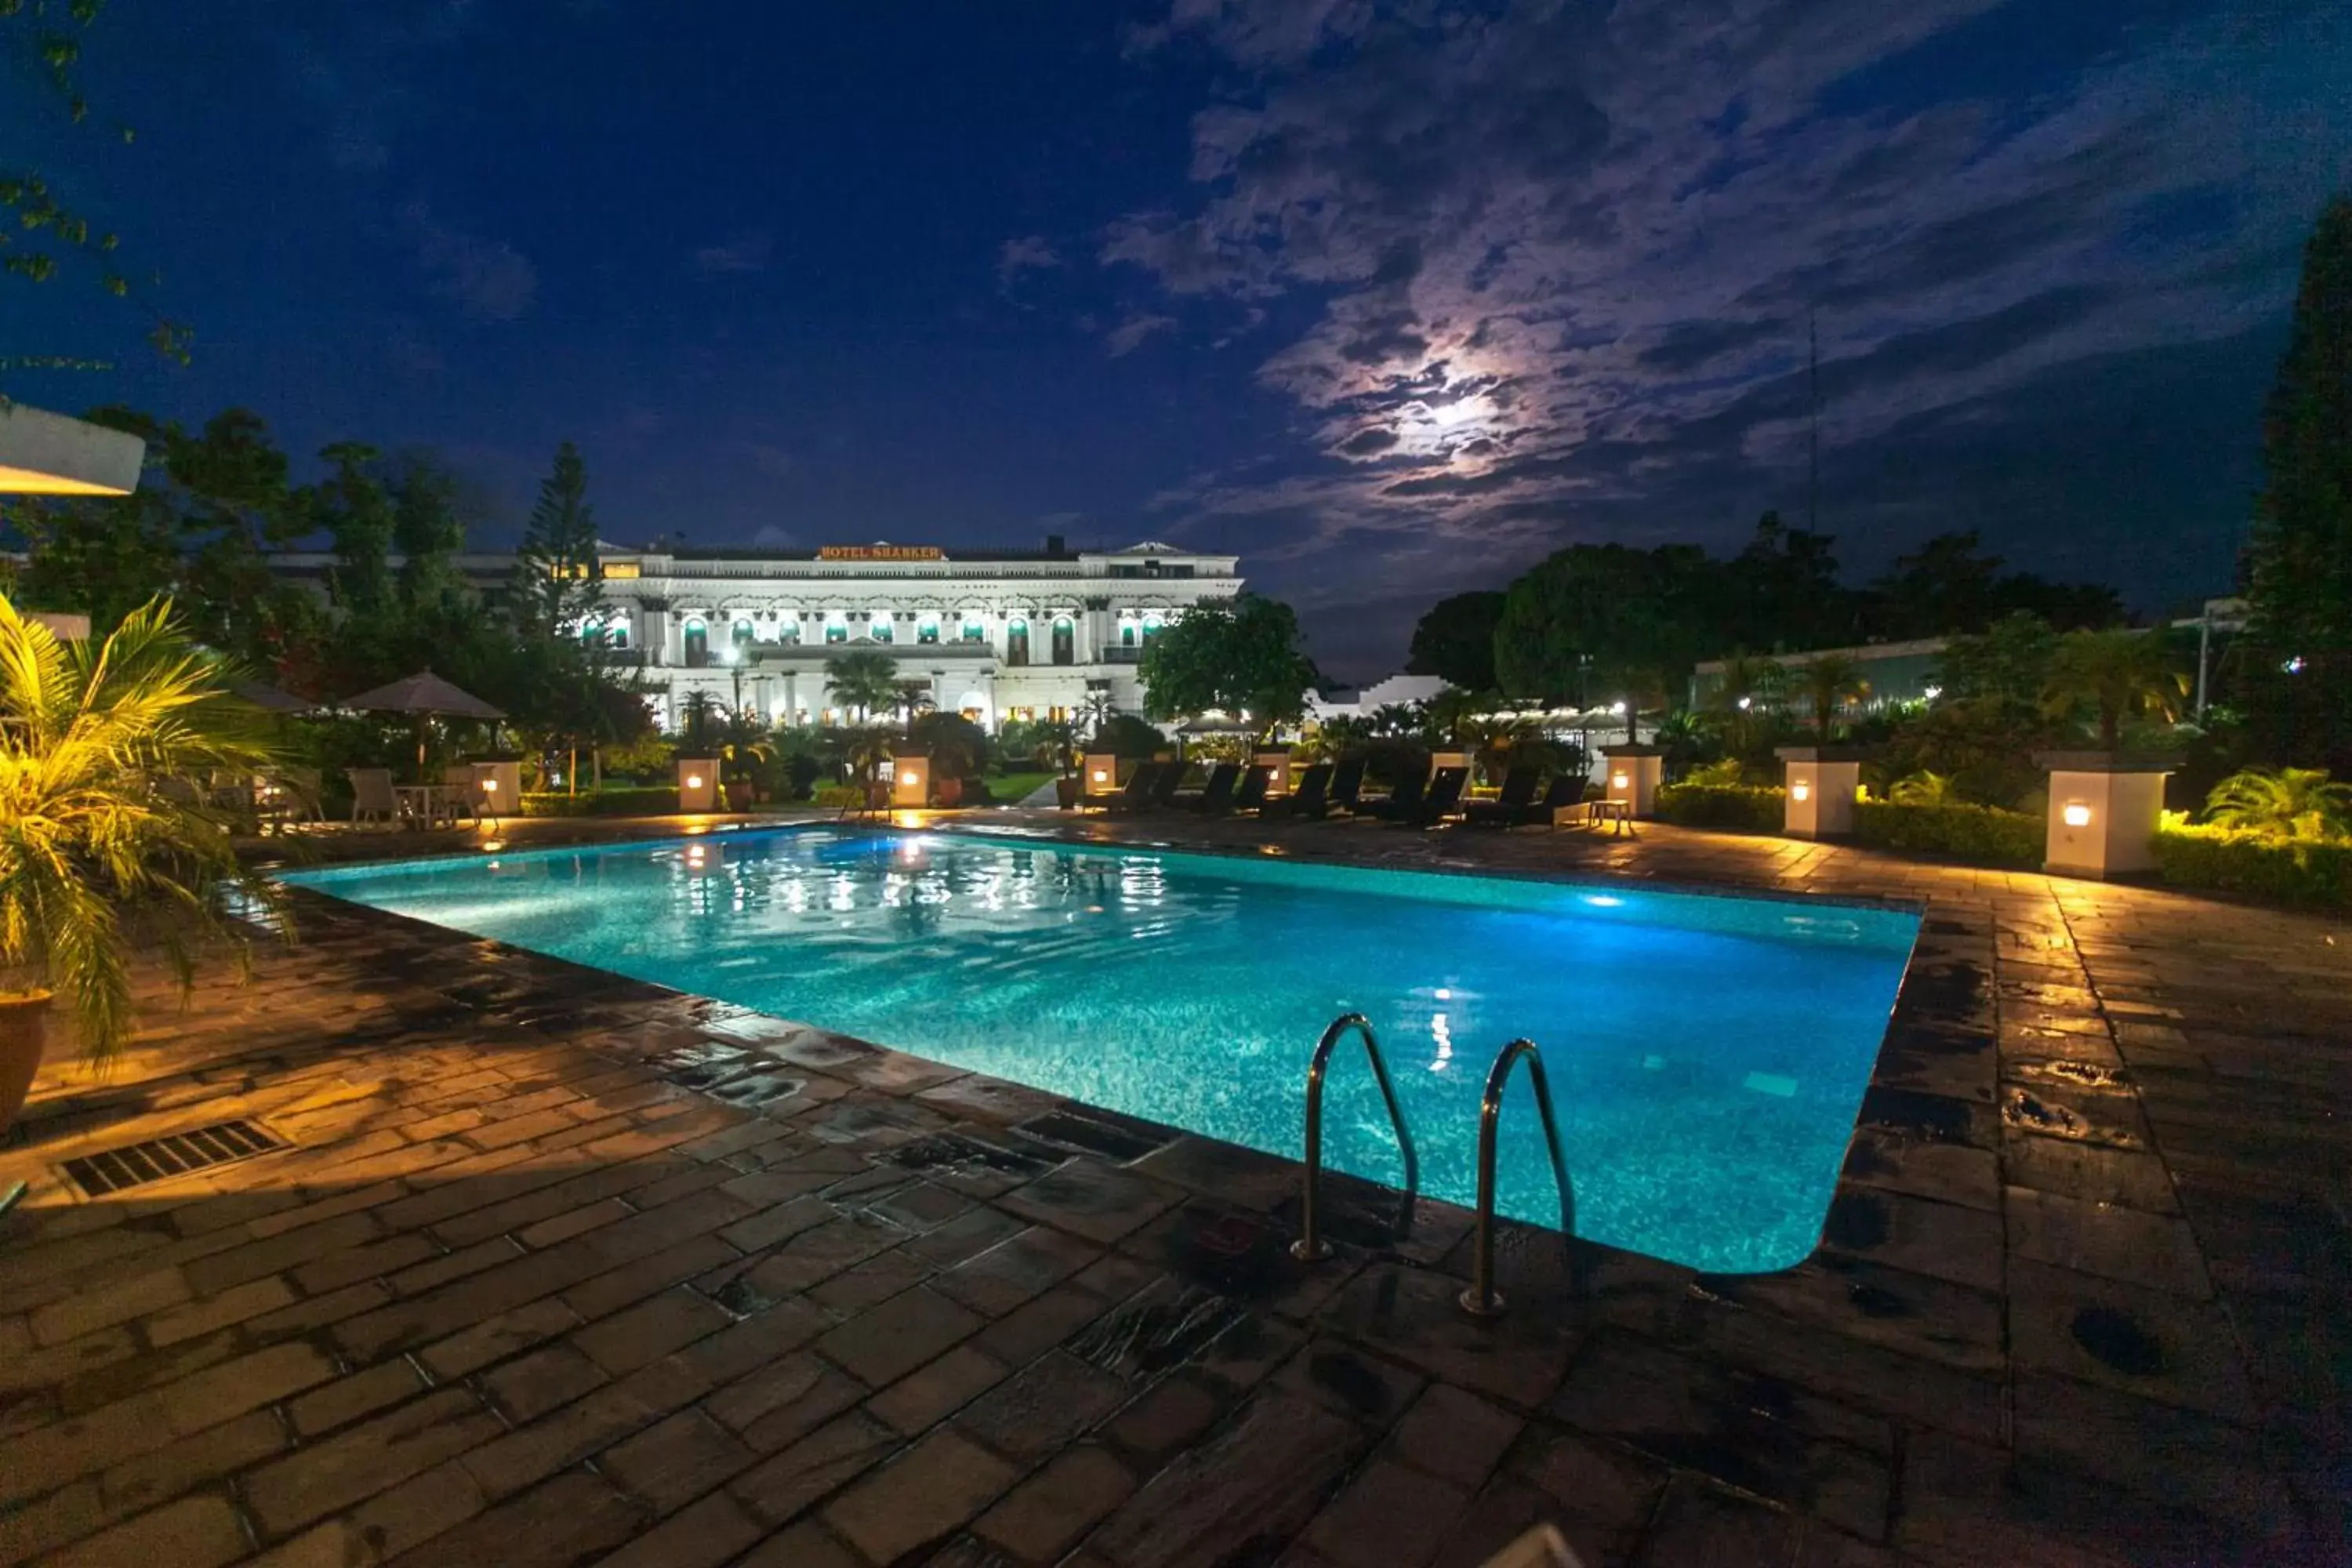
(1593, 813)
(427, 805)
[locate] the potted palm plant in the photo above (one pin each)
(109, 836)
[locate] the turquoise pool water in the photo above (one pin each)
(1707, 1054)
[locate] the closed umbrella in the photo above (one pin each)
(427, 695)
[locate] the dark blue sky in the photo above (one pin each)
(1391, 298)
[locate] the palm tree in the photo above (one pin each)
(108, 750)
(1830, 683)
(863, 680)
(1748, 683)
(2295, 803)
(696, 715)
(2121, 673)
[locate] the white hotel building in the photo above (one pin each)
(996, 634)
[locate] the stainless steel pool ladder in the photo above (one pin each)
(1482, 1300)
(1310, 1247)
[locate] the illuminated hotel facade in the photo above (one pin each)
(995, 634)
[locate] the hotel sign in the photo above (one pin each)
(880, 552)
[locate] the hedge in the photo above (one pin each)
(1983, 835)
(1742, 808)
(2293, 872)
(643, 800)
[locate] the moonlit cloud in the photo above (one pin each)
(1560, 263)
(489, 279)
(748, 254)
(1134, 332)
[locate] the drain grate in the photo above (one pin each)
(176, 1154)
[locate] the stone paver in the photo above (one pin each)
(560, 1268)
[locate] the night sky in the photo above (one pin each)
(1390, 299)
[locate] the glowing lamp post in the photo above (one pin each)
(2104, 813)
(498, 788)
(1822, 782)
(1633, 776)
(1275, 760)
(910, 781)
(698, 784)
(1097, 774)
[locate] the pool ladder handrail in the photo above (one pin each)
(1310, 1247)
(1482, 1300)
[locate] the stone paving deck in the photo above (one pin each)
(564, 1268)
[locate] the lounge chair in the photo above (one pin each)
(1251, 795)
(1311, 799)
(1138, 792)
(460, 796)
(1348, 786)
(1216, 796)
(1443, 800)
(373, 796)
(1517, 793)
(1171, 779)
(1401, 800)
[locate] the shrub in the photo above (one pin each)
(2294, 803)
(2311, 872)
(1743, 809)
(647, 800)
(1983, 835)
(1727, 771)
(834, 798)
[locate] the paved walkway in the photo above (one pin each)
(564, 1268)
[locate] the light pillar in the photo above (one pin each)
(1275, 760)
(910, 781)
(2104, 813)
(1821, 783)
(1631, 774)
(498, 788)
(698, 784)
(1098, 774)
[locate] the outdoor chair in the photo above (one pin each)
(1443, 800)
(1517, 793)
(373, 796)
(458, 795)
(1251, 795)
(1401, 800)
(1348, 786)
(286, 796)
(1309, 800)
(1171, 779)
(1216, 796)
(1138, 792)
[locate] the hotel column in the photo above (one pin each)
(791, 699)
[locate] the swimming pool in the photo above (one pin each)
(1707, 1054)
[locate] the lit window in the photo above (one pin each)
(927, 629)
(974, 632)
(620, 570)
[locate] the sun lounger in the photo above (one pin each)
(1216, 797)
(1138, 792)
(1443, 800)
(1517, 793)
(1310, 799)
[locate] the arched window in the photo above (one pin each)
(1066, 641)
(974, 629)
(926, 630)
(879, 627)
(1151, 624)
(1127, 634)
(836, 629)
(616, 634)
(698, 643)
(1016, 642)
(744, 635)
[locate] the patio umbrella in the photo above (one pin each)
(426, 695)
(269, 700)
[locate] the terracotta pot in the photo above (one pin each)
(1066, 793)
(738, 797)
(947, 792)
(23, 1032)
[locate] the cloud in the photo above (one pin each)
(1133, 332)
(767, 457)
(1030, 253)
(749, 254)
(773, 538)
(489, 279)
(1545, 268)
